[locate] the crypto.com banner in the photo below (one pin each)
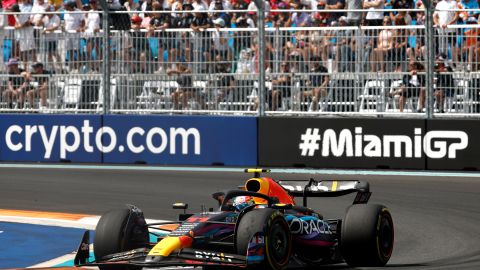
(369, 143)
(184, 140)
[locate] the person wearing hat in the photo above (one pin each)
(16, 84)
(201, 38)
(139, 47)
(220, 40)
(40, 76)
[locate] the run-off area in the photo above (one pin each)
(36, 243)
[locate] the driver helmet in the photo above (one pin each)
(241, 202)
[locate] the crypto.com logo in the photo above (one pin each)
(434, 144)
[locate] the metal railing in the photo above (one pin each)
(340, 69)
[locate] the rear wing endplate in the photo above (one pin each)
(327, 188)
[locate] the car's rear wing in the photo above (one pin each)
(327, 188)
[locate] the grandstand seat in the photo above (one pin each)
(72, 93)
(373, 97)
(156, 95)
(95, 94)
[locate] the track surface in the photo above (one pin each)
(437, 220)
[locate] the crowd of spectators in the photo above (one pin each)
(148, 48)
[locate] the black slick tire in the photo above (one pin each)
(367, 235)
(111, 237)
(278, 240)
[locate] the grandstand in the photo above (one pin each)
(203, 57)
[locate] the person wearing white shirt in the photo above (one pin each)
(73, 24)
(374, 18)
(442, 18)
(24, 35)
(37, 11)
(92, 27)
(51, 23)
(199, 5)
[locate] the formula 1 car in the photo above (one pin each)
(257, 226)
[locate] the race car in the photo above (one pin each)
(258, 225)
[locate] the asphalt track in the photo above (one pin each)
(437, 219)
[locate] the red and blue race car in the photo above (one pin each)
(258, 226)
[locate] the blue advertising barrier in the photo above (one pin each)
(172, 140)
(192, 140)
(49, 138)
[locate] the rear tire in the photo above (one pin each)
(113, 236)
(367, 235)
(278, 240)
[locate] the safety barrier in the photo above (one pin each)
(419, 144)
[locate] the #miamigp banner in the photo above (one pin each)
(368, 143)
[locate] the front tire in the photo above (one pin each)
(116, 233)
(278, 240)
(367, 235)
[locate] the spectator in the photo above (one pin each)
(442, 18)
(220, 41)
(39, 7)
(3, 23)
(470, 49)
(201, 38)
(225, 4)
(94, 40)
(245, 63)
(183, 38)
(385, 46)
(401, 44)
(354, 18)
(199, 5)
(185, 90)
(24, 34)
(219, 5)
(74, 24)
(139, 47)
(16, 85)
(334, 5)
(345, 47)
(374, 18)
(51, 23)
(281, 87)
(413, 85)
(40, 76)
(443, 81)
(225, 82)
(158, 24)
(300, 19)
(469, 5)
(317, 83)
(145, 6)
